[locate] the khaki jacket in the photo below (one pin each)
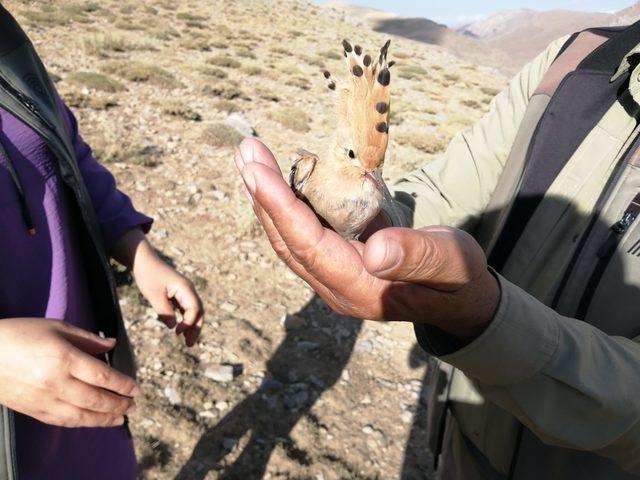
(544, 392)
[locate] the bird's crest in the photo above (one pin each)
(364, 105)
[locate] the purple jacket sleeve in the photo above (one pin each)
(114, 209)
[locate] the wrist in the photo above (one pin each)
(482, 304)
(133, 249)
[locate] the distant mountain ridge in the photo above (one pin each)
(506, 39)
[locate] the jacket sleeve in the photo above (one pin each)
(455, 188)
(568, 382)
(114, 209)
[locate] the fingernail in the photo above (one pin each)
(250, 182)
(392, 256)
(135, 391)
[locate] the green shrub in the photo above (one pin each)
(96, 81)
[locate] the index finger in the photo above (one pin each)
(92, 371)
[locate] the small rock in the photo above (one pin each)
(229, 443)
(270, 384)
(368, 430)
(292, 322)
(222, 373)
(407, 417)
(207, 405)
(345, 375)
(228, 307)
(306, 345)
(172, 395)
(207, 414)
(365, 346)
(366, 400)
(240, 123)
(218, 195)
(221, 406)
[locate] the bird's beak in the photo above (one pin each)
(388, 205)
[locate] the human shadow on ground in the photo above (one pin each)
(308, 362)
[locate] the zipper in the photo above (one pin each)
(605, 253)
(597, 211)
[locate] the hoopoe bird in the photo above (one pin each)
(344, 186)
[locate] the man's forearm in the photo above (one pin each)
(568, 382)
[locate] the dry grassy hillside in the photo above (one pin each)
(278, 387)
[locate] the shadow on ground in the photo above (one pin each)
(309, 361)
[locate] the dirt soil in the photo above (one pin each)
(278, 386)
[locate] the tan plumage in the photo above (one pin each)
(344, 185)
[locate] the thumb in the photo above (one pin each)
(441, 258)
(87, 341)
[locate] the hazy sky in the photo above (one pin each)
(462, 11)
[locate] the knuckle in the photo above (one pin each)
(94, 402)
(103, 376)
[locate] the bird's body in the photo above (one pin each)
(344, 184)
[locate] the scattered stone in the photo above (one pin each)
(207, 405)
(292, 322)
(307, 345)
(368, 430)
(222, 373)
(345, 375)
(239, 123)
(172, 395)
(207, 414)
(221, 406)
(218, 195)
(366, 400)
(270, 384)
(229, 443)
(364, 346)
(407, 417)
(228, 307)
(297, 400)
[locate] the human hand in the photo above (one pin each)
(435, 275)
(162, 286)
(48, 371)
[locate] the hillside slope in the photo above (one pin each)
(522, 34)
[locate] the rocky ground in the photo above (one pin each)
(278, 386)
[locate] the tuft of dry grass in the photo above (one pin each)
(412, 72)
(96, 81)
(142, 72)
(226, 106)
(221, 135)
(214, 73)
(425, 142)
(176, 108)
(292, 118)
(80, 100)
(251, 70)
(224, 61)
(103, 45)
(227, 92)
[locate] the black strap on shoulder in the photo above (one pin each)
(11, 35)
(572, 113)
(607, 57)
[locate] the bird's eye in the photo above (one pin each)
(352, 154)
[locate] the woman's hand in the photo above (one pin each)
(48, 371)
(162, 286)
(434, 275)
